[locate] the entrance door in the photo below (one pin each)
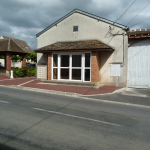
(64, 67)
(76, 69)
(70, 67)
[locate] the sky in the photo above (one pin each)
(23, 19)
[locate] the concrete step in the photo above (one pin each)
(74, 83)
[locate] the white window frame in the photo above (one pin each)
(70, 66)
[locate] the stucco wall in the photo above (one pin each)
(89, 29)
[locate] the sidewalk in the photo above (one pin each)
(110, 94)
(33, 83)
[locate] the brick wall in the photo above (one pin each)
(23, 60)
(95, 67)
(8, 61)
(49, 66)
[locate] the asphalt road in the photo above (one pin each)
(36, 121)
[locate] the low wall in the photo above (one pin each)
(13, 64)
(16, 64)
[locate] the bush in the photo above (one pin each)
(24, 72)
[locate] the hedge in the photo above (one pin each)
(24, 72)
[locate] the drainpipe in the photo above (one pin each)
(123, 49)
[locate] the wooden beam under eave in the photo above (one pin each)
(139, 36)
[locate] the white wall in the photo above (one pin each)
(16, 64)
(2, 61)
(13, 64)
(89, 29)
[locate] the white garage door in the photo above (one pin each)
(139, 64)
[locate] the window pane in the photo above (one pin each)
(75, 28)
(76, 74)
(87, 74)
(55, 60)
(87, 59)
(64, 74)
(64, 60)
(76, 60)
(55, 72)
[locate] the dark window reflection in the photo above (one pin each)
(76, 60)
(64, 60)
(87, 74)
(64, 74)
(76, 74)
(87, 59)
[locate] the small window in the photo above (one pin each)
(75, 28)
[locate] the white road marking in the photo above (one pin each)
(25, 82)
(136, 95)
(3, 102)
(73, 116)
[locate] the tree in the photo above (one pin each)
(16, 58)
(1, 57)
(32, 56)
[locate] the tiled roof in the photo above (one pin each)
(77, 45)
(22, 44)
(13, 47)
(3, 45)
(83, 13)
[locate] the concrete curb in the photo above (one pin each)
(43, 90)
(58, 92)
(76, 95)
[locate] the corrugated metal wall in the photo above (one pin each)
(139, 64)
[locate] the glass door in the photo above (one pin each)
(72, 67)
(65, 67)
(76, 69)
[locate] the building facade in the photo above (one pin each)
(86, 48)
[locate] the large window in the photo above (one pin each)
(72, 67)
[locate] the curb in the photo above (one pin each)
(76, 95)
(58, 92)
(43, 90)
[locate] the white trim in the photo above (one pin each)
(70, 65)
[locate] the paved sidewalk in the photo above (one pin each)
(33, 83)
(129, 96)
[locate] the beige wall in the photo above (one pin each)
(89, 29)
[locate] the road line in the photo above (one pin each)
(73, 116)
(3, 102)
(136, 95)
(25, 82)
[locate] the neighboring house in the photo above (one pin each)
(84, 47)
(139, 58)
(10, 46)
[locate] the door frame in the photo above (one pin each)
(70, 66)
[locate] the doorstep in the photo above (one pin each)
(75, 83)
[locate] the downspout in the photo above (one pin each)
(123, 50)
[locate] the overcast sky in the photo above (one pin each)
(25, 18)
